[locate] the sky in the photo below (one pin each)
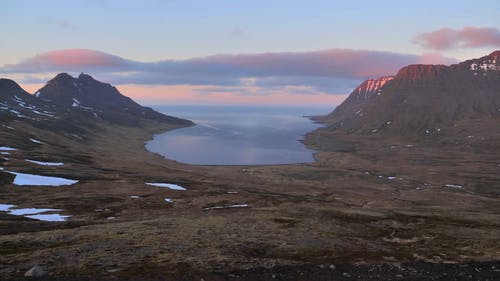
(270, 52)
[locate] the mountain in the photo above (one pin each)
(100, 100)
(17, 103)
(80, 105)
(9, 88)
(423, 99)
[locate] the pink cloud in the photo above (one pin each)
(80, 57)
(467, 37)
(67, 60)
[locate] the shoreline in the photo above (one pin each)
(302, 141)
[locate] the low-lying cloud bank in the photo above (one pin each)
(334, 71)
(467, 37)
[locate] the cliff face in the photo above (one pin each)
(422, 98)
(360, 98)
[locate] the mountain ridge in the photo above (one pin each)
(423, 98)
(70, 102)
(101, 99)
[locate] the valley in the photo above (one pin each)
(372, 204)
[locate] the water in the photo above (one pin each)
(238, 135)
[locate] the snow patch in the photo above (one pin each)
(36, 141)
(44, 163)
(49, 217)
(373, 85)
(30, 211)
(454, 186)
(167, 185)
(484, 66)
(5, 207)
(34, 213)
(17, 113)
(76, 103)
(29, 179)
(228, 207)
(7, 148)
(10, 128)
(45, 113)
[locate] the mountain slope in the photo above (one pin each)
(423, 99)
(17, 103)
(101, 100)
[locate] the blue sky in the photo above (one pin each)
(154, 30)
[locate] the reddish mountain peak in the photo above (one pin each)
(495, 55)
(370, 86)
(415, 72)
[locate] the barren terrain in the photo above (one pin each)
(367, 207)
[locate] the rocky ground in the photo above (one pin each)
(368, 209)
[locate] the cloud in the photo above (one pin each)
(68, 60)
(334, 71)
(467, 37)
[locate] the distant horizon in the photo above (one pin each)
(214, 105)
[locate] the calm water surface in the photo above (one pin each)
(237, 135)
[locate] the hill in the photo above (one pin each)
(423, 99)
